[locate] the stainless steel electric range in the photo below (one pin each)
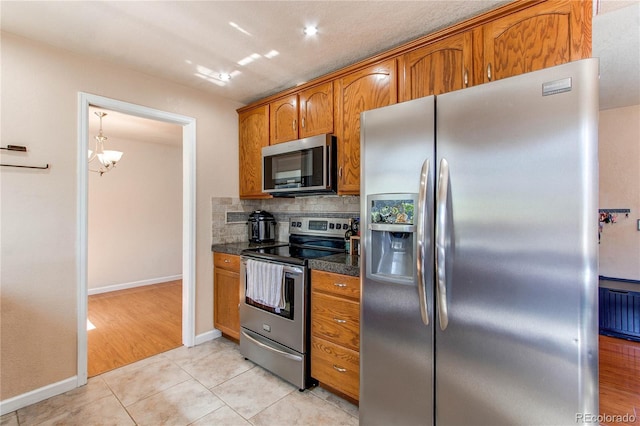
(278, 338)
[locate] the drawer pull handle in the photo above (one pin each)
(341, 285)
(339, 369)
(339, 321)
(227, 261)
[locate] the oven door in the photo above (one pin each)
(288, 327)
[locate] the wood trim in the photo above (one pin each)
(466, 25)
(478, 56)
(581, 39)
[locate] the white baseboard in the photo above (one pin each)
(37, 395)
(209, 335)
(134, 284)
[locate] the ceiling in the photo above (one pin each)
(123, 127)
(192, 42)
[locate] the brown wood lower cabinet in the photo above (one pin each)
(226, 294)
(335, 366)
(335, 331)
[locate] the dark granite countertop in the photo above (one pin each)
(341, 263)
(236, 248)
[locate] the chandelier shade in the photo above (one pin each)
(106, 159)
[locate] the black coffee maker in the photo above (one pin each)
(261, 227)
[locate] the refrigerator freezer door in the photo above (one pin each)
(396, 346)
(520, 346)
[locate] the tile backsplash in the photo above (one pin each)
(229, 215)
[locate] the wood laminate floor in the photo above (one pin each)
(619, 381)
(133, 324)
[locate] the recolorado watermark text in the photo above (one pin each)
(605, 418)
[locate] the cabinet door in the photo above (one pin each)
(253, 135)
(437, 68)
(226, 317)
(284, 119)
(369, 88)
(316, 110)
(551, 33)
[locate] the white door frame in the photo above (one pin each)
(188, 214)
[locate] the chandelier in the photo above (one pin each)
(106, 159)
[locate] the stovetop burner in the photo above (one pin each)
(309, 238)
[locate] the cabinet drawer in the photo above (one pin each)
(335, 366)
(336, 319)
(230, 262)
(336, 284)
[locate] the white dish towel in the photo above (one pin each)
(265, 283)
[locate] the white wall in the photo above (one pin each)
(135, 215)
(38, 220)
(619, 156)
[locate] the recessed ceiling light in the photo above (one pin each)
(310, 30)
(239, 28)
(249, 59)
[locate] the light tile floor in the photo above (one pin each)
(209, 384)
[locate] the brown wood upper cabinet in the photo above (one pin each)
(548, 34)
(303, 114)
(515, 38)
(439, 67)
(253, 135)
(368, 88)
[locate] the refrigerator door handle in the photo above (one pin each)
(422, 224)
(441, 242)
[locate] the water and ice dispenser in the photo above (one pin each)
(393, 239)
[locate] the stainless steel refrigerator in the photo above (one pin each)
(479, 254)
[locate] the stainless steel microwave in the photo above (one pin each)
(301, 167)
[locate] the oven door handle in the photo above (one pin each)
(279, 352)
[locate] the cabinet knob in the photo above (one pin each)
(465, 78)
(489, 71)
(295, 125)
(339, 369)
(339, 321)
(302, 122)
(227, 261)
(341, 285)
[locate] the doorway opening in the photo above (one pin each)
(134, 241)
(85, 101)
